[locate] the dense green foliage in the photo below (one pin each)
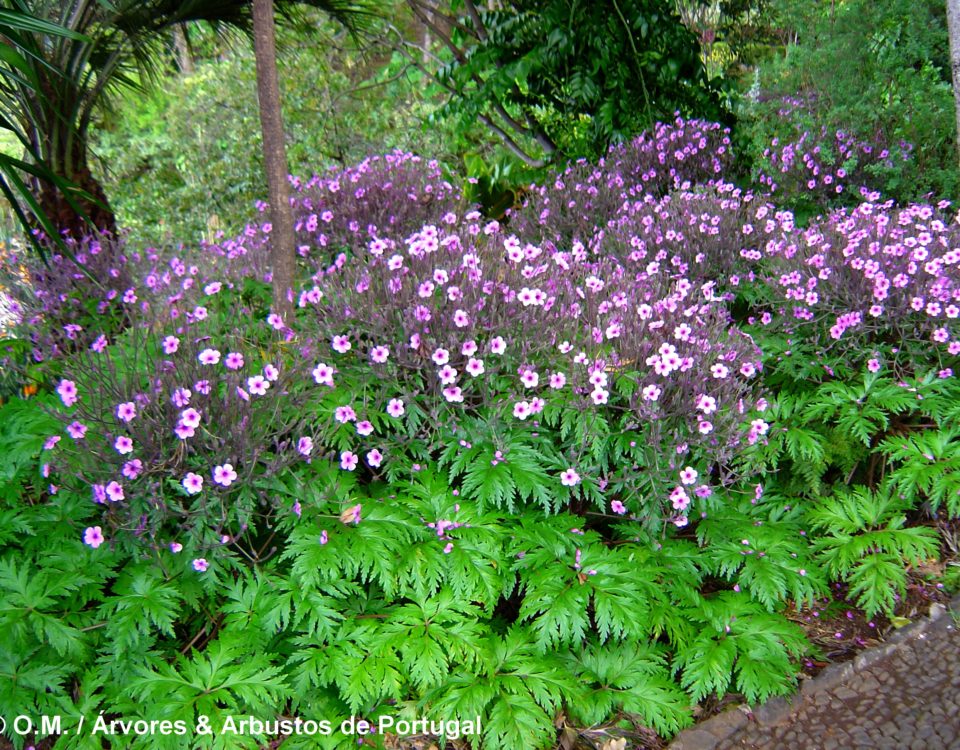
(877, 71)
(575, 77)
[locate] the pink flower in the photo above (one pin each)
(600, 396)
(200, 565)
(126, 411)
(175, 547)
(224, 475)
(475, 367)
(348, 460)
(461, 319)
(688, 475)
(469, 348)
(679, 498)
(171, 344)
(323, 374)
(51, 442)
(115, 491)
(305, 446)
(124, 445)
(530, 379)
(132, 468)
(569, 478)
(617, 507)
(395, 408)
(275, 321)
(190, 418)
(341, 344)
(498, 345)
(705, 427)
(344, 414)
(651, 392)
(258, 385)
(181, 397)
(323, 537)
(192, 483)
(558, 380)
(183, 431)
(441, 356)
(271, 373)
(521, 409)
(68, 392)
(209, 357)
(76, 430)
(93, 536)
(873, 365)
(379, 354)
(719, 371)
(706, 404)
(233, 361)
(364, 428)
(374, 458)
(453, 394)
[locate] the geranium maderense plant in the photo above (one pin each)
(500, 470)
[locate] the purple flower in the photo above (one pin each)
(233, 361)
(341, 344)
(258, 385)
(323, 374)
(192, 483)
(395, 408)
(364, 428)
(344, 414)
(323, 537)
(68, 392)
(132, 468)
(93, 536)
(521, 409)
(209, 357)
(569, 478)
(115, 492)
(224, 475)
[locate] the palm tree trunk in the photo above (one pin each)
(282, 238)
(953, 29)
(63, 213)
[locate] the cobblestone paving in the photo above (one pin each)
(902, 696)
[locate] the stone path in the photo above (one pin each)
(904, 695)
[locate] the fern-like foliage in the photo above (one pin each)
(866, 541)
(739, 646)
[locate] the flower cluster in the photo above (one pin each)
(580, 199)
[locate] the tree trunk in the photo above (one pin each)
(953, 28)
(65, 217)
(184, 58)
(282, 238)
